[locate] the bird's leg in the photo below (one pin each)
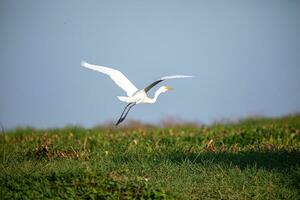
(120, 119)
(125, 109)
(126, 113)
(128, 110)
(123, 117)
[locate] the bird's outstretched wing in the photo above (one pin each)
(146, 89)
(118, 77)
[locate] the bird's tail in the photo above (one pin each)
(124, 99)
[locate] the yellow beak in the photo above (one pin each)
(169, 88)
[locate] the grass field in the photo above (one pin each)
(252, 159)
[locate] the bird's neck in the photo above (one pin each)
(153, 100)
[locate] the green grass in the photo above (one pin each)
(252, 159)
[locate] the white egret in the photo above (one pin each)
(134, 96)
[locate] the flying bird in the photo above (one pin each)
(134, 95)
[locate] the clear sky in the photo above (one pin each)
(245, 56)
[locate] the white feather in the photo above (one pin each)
(175, 76)
(117, 76)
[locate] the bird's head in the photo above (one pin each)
(165, 88)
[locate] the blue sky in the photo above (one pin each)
(245, 56)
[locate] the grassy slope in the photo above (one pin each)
(254, 159)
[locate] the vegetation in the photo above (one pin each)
(252, 159)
